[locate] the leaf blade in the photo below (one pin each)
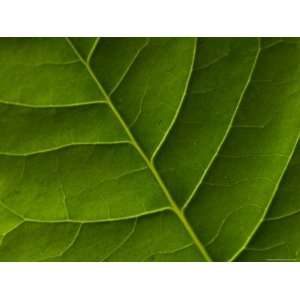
(92, 132)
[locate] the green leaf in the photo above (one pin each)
(149, 149)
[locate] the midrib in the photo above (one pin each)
(178, 212)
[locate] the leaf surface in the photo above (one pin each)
(149, 149)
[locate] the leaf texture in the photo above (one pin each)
(149, 149)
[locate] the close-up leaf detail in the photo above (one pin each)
(149, 149)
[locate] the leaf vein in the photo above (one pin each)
(148, 162)
(228, 128)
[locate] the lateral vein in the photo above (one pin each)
(267, 208)
(227, 130)
(179, 106)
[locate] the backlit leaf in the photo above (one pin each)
(149, 149)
